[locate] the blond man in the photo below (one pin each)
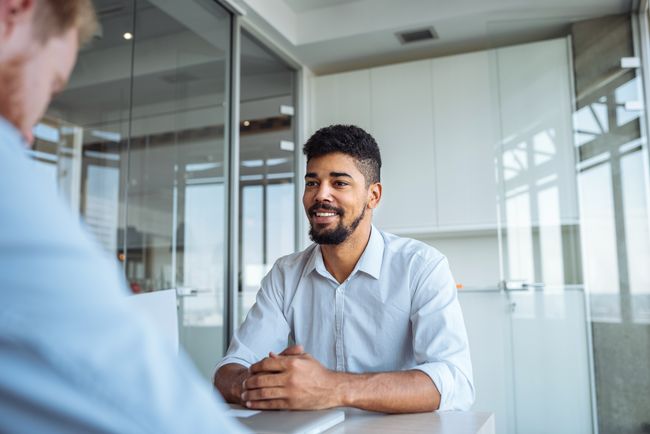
(74, 357)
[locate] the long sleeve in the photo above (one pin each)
(439, 337)
(265, 327)
(75, 356)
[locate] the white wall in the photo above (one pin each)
(474, 259)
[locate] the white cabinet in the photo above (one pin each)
(442, 124)
(530, 357)
(342, 99)
(401, 118)
(466, 127)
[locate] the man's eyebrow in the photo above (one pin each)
(332, 174)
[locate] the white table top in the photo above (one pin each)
(446, 422)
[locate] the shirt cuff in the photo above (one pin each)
(230, 359)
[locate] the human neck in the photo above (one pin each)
(341, 259)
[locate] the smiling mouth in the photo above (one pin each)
(325, 214)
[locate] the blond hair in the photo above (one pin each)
(55, 17)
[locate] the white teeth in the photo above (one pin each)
(325, 214)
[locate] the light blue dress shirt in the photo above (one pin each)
(397, 310)
(74, 356)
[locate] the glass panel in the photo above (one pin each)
(253, 268)
(611, 140)
(82, 139)
(267, 166)
(176, 202)
(538, 219)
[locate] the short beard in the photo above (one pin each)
(337, 235)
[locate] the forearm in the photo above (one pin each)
(389, 392)
(228, 381)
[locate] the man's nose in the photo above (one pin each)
(324, 193)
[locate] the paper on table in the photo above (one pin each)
(236, 412)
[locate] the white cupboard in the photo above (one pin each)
(466, 126)
(401, 118)
(342, 99)
(447, 126)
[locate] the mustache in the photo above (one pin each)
(324, 207)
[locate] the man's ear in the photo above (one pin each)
(374, 195)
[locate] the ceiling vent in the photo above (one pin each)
(419, 35)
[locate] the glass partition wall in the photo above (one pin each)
(611, 142)
(139, 144)
(574, 234)
(267, 163)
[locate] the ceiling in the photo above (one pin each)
(338, 35)
(309, 5)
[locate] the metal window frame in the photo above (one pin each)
(231, 275)
(641, 30)
(233, 80)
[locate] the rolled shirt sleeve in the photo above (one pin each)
(439, 337)
(265, 327)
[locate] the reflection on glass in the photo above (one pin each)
(600, 259)
(203, 253)
(252, 229)
(614, 187)
(544, 146)
(519, 237)
(136, 144)
(280, 213)
(637, 235)
(84, 132)
(590, 122)
(550, 235)
(176, 204)
(267, 166)
(627, 92)
(102, 203)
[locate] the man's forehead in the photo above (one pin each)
(333, 163)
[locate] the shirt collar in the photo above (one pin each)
(370, 261)
(11, 137)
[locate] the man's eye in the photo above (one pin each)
(310, 183)
(341, 183)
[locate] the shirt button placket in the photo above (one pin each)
(340, 357)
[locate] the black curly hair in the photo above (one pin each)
(350, 140)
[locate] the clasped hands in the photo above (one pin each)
(291, 380)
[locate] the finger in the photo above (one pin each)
(268, 365)
(268, 404)
(264, 394)
(293, 350)
(265, 380)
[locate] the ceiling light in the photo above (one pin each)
(246, 123)
(128, 35)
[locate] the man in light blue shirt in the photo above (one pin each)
(75, 357)
(375, 318)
